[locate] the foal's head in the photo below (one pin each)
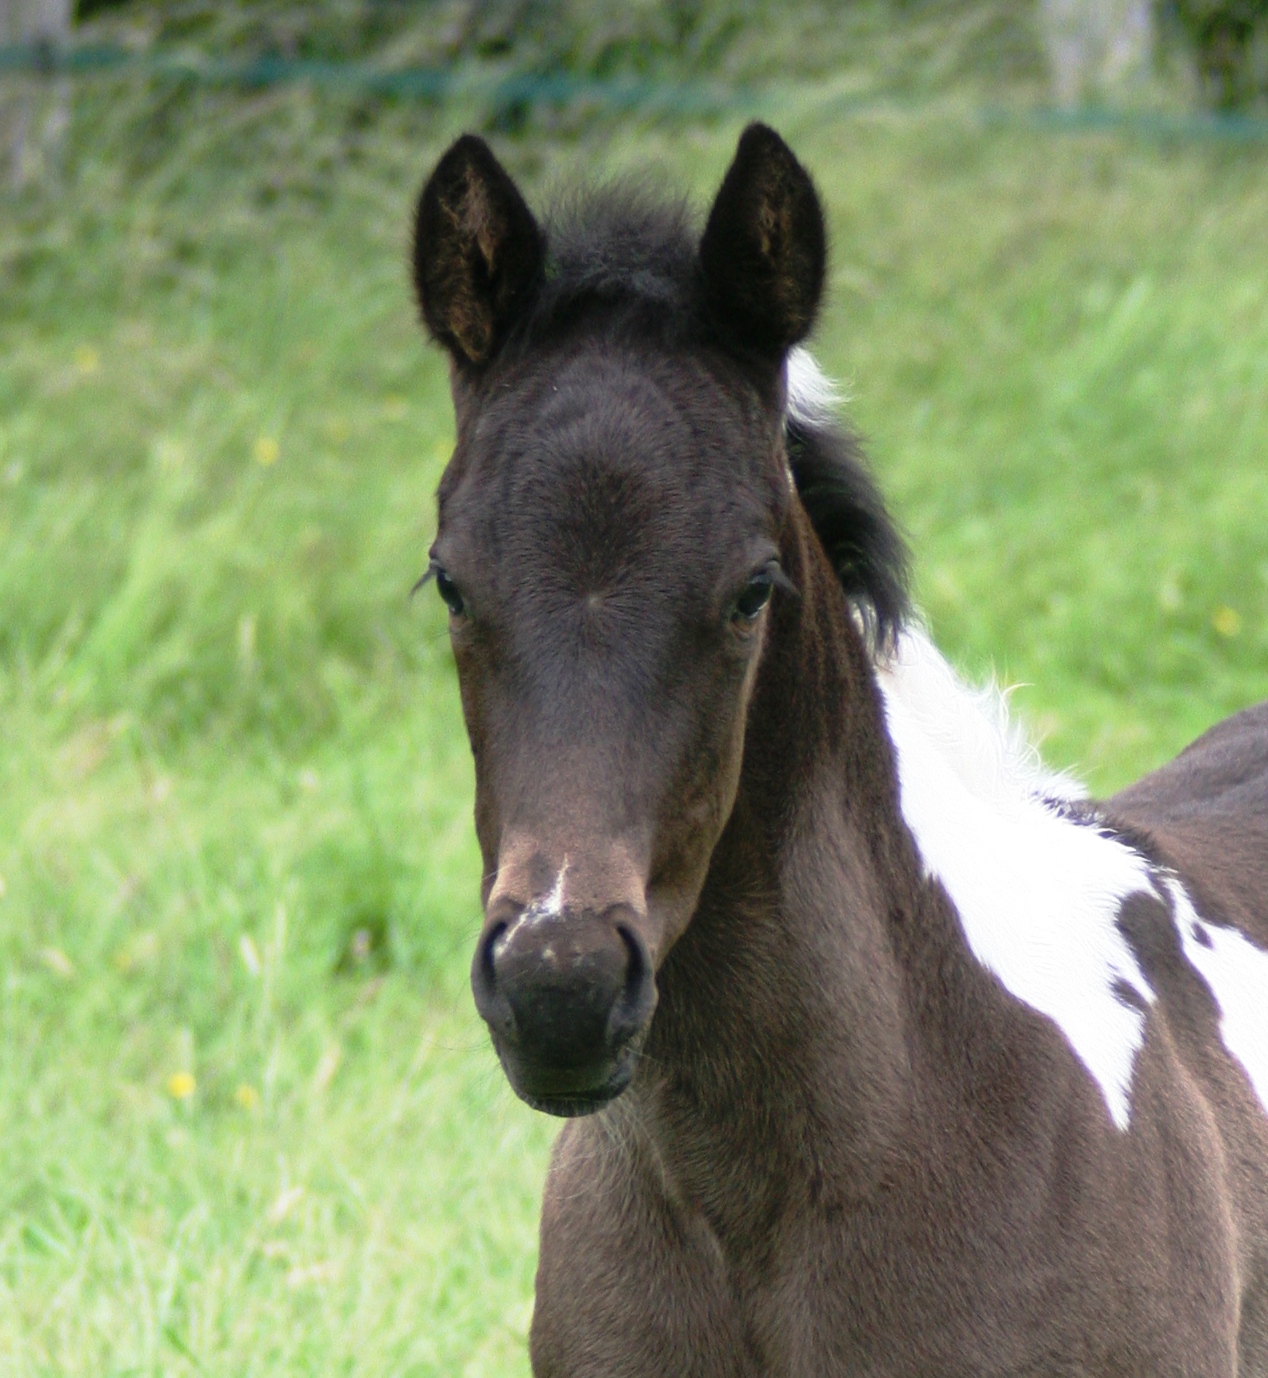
(611, 529)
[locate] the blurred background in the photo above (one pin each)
(248, 1120)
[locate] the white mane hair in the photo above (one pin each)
(813, 398)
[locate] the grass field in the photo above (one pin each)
(250, 1124)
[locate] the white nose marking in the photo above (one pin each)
(554, 902)
(548, 907)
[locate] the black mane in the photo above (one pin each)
(623, 253)
(848, 512)
(622, 240)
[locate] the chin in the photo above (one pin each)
(568, 1095)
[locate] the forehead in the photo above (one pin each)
(616, 450)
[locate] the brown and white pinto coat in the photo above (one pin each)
(888, 1054)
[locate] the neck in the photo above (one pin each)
(779, 1059)
(840, 993)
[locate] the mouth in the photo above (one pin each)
(570, 1093)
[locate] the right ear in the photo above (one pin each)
(478, 252)
(764, 248)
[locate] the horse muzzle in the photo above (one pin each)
(568, 995)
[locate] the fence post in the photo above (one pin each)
(1095, 45)
(34, 109)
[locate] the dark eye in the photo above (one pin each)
(448, 591)
(754, 598)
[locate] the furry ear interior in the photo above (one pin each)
(764, 249)
(478, 252)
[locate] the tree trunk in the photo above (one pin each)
(34, 108)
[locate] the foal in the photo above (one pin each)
(887, 1054)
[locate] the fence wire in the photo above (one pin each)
(501, 89)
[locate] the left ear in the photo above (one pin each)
(764, 249)
(478, 252)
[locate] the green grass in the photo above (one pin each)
(234, 790)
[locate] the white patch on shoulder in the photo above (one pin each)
(1037, 892)
(1237, 973)
(813, 398)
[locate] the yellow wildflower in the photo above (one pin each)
(181, 1085)
(1226, 621)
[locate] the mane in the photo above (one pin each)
(1035, 873)
(623, 249)
(844, 503)
(622, 238)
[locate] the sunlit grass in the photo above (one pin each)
(250, 1122)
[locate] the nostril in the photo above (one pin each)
(491, 1002)
(489, 955)
(636, 966)
(638, 993)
